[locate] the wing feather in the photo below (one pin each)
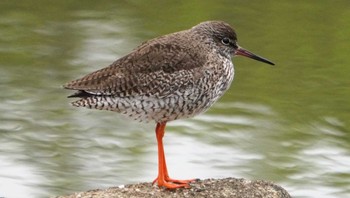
(154, 68)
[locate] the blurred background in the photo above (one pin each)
(288, 124)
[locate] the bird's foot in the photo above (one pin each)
(173, 183)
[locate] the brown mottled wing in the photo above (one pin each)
(154, 68)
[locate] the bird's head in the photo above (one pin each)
(224, 38)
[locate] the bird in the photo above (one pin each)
(174, 76)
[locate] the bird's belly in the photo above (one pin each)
(162, 109)
(177, 105)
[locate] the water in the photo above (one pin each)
(288, 124)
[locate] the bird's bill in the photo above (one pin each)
(246, 53)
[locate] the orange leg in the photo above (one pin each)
(163, 178)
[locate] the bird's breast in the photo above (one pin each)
(219, 79)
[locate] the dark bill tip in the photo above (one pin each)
(246, 53)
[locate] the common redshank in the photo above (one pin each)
(175, 76)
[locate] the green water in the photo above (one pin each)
(288, 124)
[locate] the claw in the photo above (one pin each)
(180, 183)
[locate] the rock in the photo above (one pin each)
(208, 188)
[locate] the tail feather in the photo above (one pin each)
(80, 94)
(93, 102)
(81, 103)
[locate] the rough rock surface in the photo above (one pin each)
(208, 188)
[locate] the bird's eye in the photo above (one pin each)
(225, 41)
